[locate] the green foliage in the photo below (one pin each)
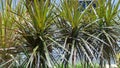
(33, 30)
(79, 65)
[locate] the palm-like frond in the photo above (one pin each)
(107, 12)
(7, 32)
(33, 30)
(72, 25)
